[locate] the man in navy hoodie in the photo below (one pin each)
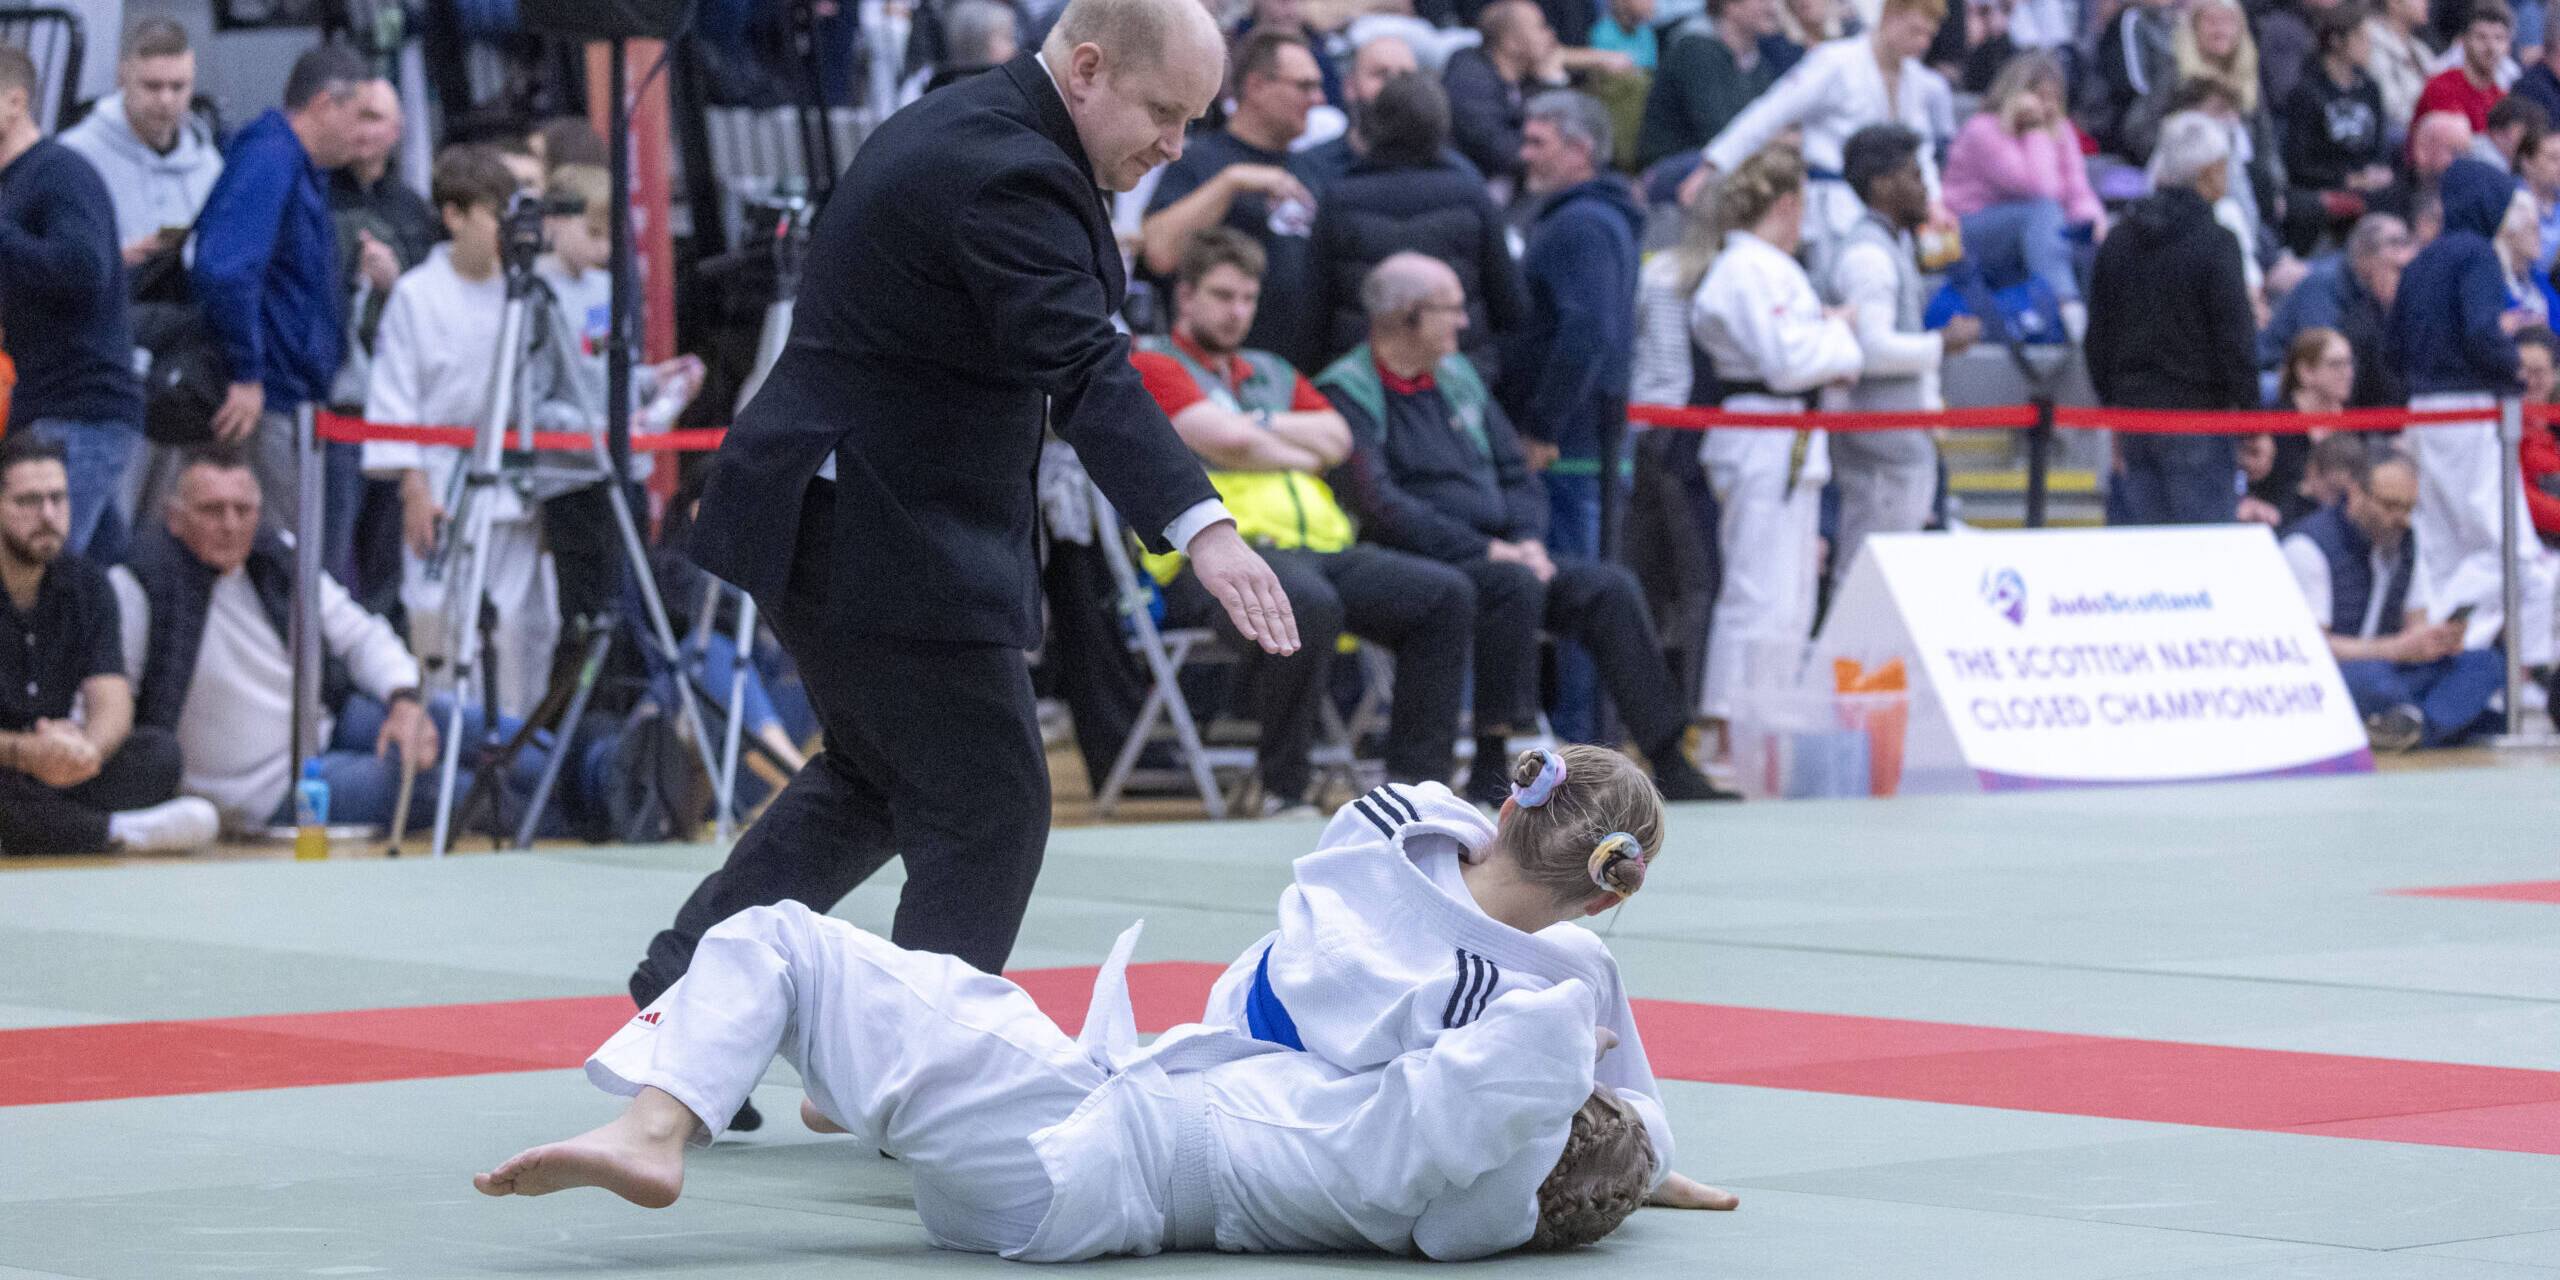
(2452, 328)
(62, 303)
(1566, 376)
(266, 267)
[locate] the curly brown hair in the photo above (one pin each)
(1606, 1169)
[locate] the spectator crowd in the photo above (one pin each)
(1398, 293)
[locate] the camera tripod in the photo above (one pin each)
(473, 504)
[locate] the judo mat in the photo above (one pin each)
(2281, 1029)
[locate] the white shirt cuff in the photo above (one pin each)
(1188, 525)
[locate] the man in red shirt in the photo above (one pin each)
(1267, 436)
(2472, 87)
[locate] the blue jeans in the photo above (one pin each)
(2023, 238)
(2451, 694)
(2176, 479)
(363, 787)
(98, 453)
(1573, 529)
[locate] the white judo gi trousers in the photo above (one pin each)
(949, 1069)
(1771, 535)
(2456, 523)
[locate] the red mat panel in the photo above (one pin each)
(2388, 1099)
(2521, 891)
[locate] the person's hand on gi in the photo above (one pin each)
(1238, 579)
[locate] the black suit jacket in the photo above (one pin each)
(961, 277)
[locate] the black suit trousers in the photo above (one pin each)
(38, 819)
(932, 755)
(1590, 601)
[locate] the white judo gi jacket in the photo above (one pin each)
(1833, 92)
(1035, 1147)
(1374, 958)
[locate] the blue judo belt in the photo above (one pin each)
(1264, 1015)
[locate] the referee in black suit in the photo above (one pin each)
(959, 290)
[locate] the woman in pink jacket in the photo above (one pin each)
(2016, 179)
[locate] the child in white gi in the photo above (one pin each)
(1773, 344)
(1039, 1148)
(1415, 913)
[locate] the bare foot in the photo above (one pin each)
(1679, 1191)
(639, 1157)
(817, 1120)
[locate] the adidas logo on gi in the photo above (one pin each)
(651, 1017)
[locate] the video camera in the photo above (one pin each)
(521, 237)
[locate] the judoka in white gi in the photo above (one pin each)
(1887, 479)
(1415, 913)
(1773, 343)
(1840, 87)
(1039, 1148)
(431, 367)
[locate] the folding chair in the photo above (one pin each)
(53, 37)
(1164, 650)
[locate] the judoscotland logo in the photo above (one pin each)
(2006, 592)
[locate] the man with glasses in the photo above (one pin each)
(1245, 176)
(2412, 681)
(2351, 291)
(76, 774)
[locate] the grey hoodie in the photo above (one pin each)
(151, 190)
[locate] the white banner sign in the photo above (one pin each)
(2089, 657)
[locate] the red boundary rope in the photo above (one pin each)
(2073, 418)
(340, 429)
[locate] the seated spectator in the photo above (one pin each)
(2471, 87)
(159, 162)
(2017, 180)
(2519, 243)
(2412, 681)
(266, 264)
(2510, 122)
(2437, 140)
(1267, 436)
(2538, 367)
(1626, 27)
(1489, 87)
(2351, 291)
(431, 368)
(1709, 73)
(1436, 470)
(1409, 191)
(2331, 469)
(76, 774)
(1245, 177)
(205, 604)
(1381, 59)
(2538, 169)
(2257, 177)
(2136, 56)
(2400, 56)
(2169, 328)
(62, 290)
(1289, 18)
(2337, 152)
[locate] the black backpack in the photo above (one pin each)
(189, 375)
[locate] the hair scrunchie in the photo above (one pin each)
(1550, 776)
(1614, 848)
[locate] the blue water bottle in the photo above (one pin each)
(311, 814)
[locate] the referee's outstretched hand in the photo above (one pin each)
(1239, 580)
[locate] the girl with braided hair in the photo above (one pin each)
(1416, 913)
(1039, 1148)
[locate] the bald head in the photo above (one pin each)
(1136, 35)
(1382, 59)
(1133, 74)
(1416, 309)
(1404, 282)
(2437, 140)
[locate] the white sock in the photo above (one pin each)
(188, 822)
